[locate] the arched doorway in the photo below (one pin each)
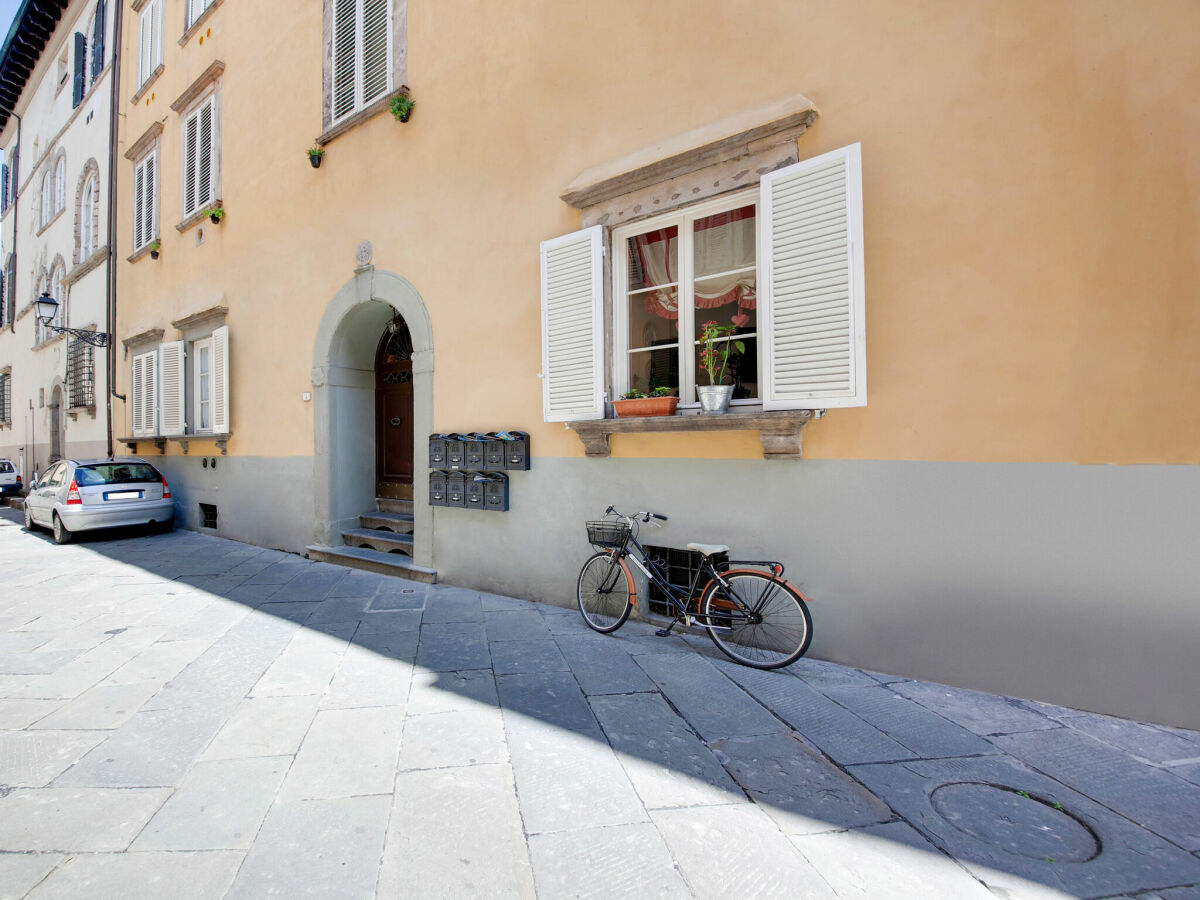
(394, 412)
(344, 415)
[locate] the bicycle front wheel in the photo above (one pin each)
(757, 620)
(604, 593)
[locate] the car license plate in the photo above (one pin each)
(123, 495)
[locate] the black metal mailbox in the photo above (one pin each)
(516, 451)
(495, 492)
(493, 453)
(456, 489)
(437, 488)
(437, 450)
(474, 488)
(456, 452)
(473, 445)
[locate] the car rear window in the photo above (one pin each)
(5, 467)
(115, 473)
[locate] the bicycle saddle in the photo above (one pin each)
(708, 549)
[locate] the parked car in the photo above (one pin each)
(10, 478)
(86, 494)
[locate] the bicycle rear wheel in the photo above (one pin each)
(769, 629)
(603, 592)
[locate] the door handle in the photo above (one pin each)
(396, 420)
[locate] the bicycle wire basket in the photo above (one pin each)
(606, 533)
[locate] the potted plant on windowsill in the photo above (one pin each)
(402, 104)
(716, 346)
(216, 213)
(659, 402)
(155, 246)
(315, 155)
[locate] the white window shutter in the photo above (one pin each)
(205, 157)
(145, 42)
(191, 127)
(139, 206)
(135, 395)
(150, 394)
(220, 380)
(573, 326)
(156, 36)
(171, 388)
(376, 29)
(150, 198)
(345, 14)
(812, 302)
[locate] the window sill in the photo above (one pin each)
(372, 109)
(146, 85)
(97, 257)
(50, 342)
(74, 412)
(138, 254)
(780, 431)
(200, 20)
(159, 441)
(53, 219)
(199, 215)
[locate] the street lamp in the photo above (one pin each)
(47, 309)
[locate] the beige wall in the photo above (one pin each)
(1031, 182)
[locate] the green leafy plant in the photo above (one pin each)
(1024, 794)
(402, 105)
(634, 394)
(716, 348)
(662, 391)
(1058, 806)
(316, 152)
(154, 246)
(216, 213)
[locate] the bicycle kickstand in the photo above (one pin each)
(663, 632)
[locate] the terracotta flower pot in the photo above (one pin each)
(646, 406)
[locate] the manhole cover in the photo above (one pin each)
(1014, 821)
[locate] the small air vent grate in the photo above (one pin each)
(208, 515)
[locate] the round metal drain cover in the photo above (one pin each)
(1020, 824)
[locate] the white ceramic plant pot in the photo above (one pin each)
(714, 398)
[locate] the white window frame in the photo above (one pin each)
(194, 9)
(210, 98)
(197, 404)
(60, 184)
(150, 46)
(359, 102)
(47, 197)
(684, 219)
(148, 159)
(88, 239)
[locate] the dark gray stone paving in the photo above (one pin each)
(186, 716)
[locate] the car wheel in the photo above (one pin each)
(61, 534)
(29, 524)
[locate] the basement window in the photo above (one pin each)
(208, 515)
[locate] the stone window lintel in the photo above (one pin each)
(145, 142)
(200, 85)
(779, 430)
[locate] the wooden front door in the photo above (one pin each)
(394, 413)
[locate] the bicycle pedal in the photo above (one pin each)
(662, 632)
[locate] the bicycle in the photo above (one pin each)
(753, 616)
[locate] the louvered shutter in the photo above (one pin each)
(150, 394)
(3, 187)
(573, 326)
(98, 42)
(139, 206)
(812, 306)
(171, 389)
(190, 143)
(345, 14)
(220, 380)
(204, 152)
(135, 395)
(150, 198)
(375, 68)
(79, 85)
(146, 43)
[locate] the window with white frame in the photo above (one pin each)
(201, 137)
(164, 380)
(361, 54)
(150, 40)
(680, 271)
(6, 398)
(54, 284)
(60, 184)
(145, 200)
(47, 198)
(89, 209)
(96, 31)
(194, 9)
(781, 266)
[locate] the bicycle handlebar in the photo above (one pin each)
(643, 515)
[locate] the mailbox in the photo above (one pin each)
(495, 492)
(437, 450)
(473, 445)
(456, 489)
(437, 488)
(456, 452)
(475, 492)
(493, 453)
(516, 450)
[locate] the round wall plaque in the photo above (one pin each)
(363, 254)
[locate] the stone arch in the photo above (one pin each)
(343, 379)
(91, 169)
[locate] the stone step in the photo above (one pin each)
(373, 539)
(393, 504)
(373, 561)
(400, 523)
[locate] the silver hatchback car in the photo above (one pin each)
(85, 494)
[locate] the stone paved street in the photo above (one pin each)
(184, 716)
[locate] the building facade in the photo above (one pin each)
(56, 138)
(986, 212)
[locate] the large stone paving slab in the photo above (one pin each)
(975, 811)
(35, 758)
(268, 726)
(626, 861)
(20, 872)
(75, 819)
(141, 876)
(346, 753)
